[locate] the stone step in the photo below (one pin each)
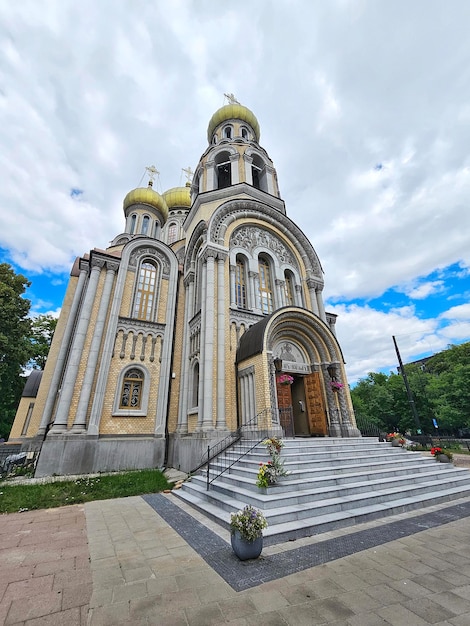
(309, 503)
(343, 482)
(319, 489)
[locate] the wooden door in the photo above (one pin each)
(315, 404)
(284, 403)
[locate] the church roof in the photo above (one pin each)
(32, 384)
(146, 195)
(233, 112)
(178, 197)
(251, 342)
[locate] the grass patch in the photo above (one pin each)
(15, 498)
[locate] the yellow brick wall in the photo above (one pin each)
(175, 383)
(43, 390)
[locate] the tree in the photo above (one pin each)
(42, 331)
(15, 347)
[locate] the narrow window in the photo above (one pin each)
(224, 175)
(195, 390)
(145, 294)
(131, 392)
(133, 220)
(255, 172)
(265, 289)
(228, 132)
(289, 288)
(172, 232)
(244, 133)
(145, 224)
(28, 418)
(240, 284)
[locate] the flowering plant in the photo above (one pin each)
(273, 445)
(392, 436)
(286, 379)
(335, 385)
(249, 522)
(436, 451)
(269, 472)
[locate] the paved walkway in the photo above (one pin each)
(143, 570)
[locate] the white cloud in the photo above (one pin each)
(363, 107)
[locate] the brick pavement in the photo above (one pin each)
(45, 574)
(145, 573)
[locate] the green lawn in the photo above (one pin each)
(14, 498)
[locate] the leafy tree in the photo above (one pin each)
(439, 387)
(42, 331)
(15, 347)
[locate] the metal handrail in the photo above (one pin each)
(225, 444)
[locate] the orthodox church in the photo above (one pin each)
(204, 316)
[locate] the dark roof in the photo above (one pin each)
(32, 384)
(251, 342)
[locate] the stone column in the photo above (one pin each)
(248, 171)
(221, 423)
(79, 424)
(211, 179)
(202, 346)
(280, 294)
(233, 299)
(234, 168)
(209, 324)
(64, 348)
(321, 307)
(335, 425)
(182, 427)
(68, 385)
(312, 289)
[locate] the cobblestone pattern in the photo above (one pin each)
(241, 575)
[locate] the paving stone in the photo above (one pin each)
(265, 601)
(207, 615)
(453, 602)
(71, 617)
(429, 610)
(333, 609)
(398, 615)
(302, 615)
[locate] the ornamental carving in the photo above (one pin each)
(151, 253)
(251, 238)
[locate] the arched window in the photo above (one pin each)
(228, 132)
(240, 284)
(133, 221)
(244, 133)
(131, 390)
(195, 387)
(223, 170)
(265, 286)
(145, 294)
(172, 232)
(145, 224)
(289, 288)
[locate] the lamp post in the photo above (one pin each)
(408, 390)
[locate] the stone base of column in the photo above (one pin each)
(335, 430)
(351, 431)
(78, 429)
(58, 429)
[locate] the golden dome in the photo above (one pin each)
(146, 195)
(233, 112)
(178, 197)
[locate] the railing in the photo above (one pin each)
(224, 463)
(369, 428)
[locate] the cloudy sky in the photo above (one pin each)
(364, 107)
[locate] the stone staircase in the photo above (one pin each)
(332, 483)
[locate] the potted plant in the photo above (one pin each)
(336, 385)
(441, 455)
(246, 532)
(285, 379)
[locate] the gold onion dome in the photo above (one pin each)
(146, 195)
(178, 196)
(233, 112)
